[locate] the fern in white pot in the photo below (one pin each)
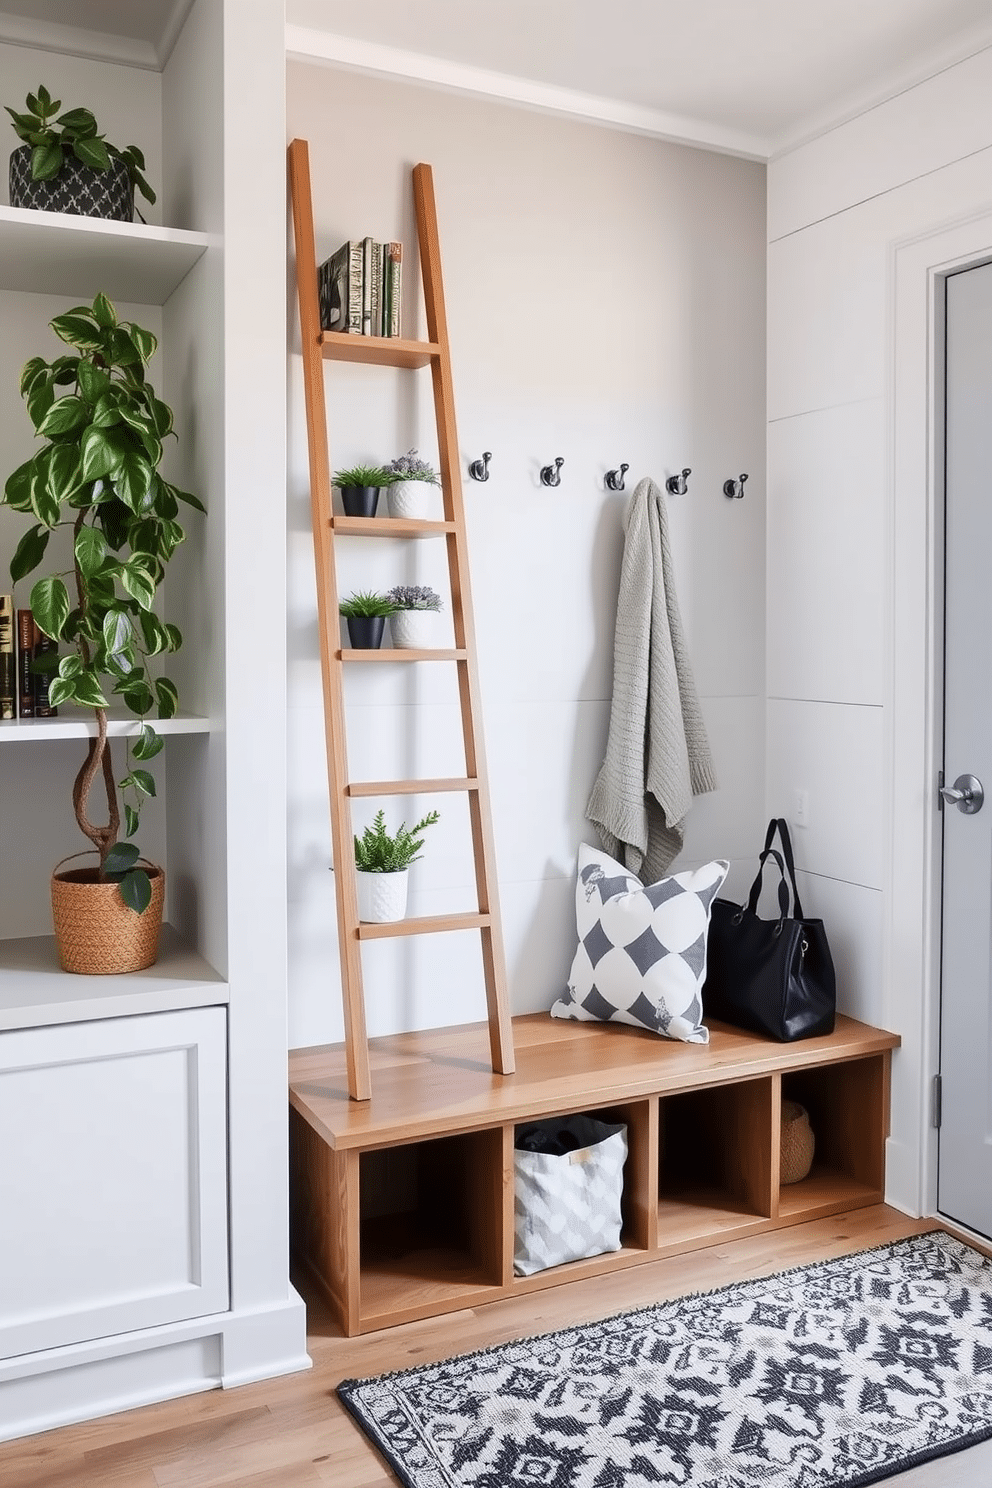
(382, 867)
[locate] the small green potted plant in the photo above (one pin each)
(360, 487)
(365, 612)
(66, 165)
(412, 487)
(411, 622)
(382, 866)
(94, 485)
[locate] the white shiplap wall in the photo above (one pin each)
(840, 210)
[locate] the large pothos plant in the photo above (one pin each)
(97, 477)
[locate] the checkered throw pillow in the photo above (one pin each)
(641, 956)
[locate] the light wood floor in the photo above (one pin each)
(292, 1431)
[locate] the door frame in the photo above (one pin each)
(914, 715)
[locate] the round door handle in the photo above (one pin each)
(967, 794)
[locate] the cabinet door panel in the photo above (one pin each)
(113, 1177)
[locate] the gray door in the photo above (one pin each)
(965, 1144)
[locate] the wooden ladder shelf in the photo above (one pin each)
(319, 345)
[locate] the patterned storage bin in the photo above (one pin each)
(568, 1175)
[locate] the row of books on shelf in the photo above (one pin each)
(23, 689)
(361, 289)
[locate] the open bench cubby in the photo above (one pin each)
(402, 1206)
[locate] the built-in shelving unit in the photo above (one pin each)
(403, 1205)
(143, 1170)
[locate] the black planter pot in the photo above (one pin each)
(359, 501)
(365, 631)
(77, 189)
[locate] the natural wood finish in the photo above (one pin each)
(324, 1215)
(319, 345)
(703, 1128)
(388, 526)
(292, 1431)
(440, 1080)
(377, 351)
(328, 624)
(404, 654)
(408, 787)
(425, 925)
(483, 840)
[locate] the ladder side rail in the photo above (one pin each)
(356, 1039)
(483, 840)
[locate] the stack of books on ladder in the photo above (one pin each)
(360, 288)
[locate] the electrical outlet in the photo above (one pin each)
(800, 808)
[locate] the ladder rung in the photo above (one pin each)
(388, 526)
(379, 351)
(397, 654)
(407, 787)
(431, 925)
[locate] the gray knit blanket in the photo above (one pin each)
(657, 754)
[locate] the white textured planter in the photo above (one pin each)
(417, 499)
(382, 896)
(413, 630)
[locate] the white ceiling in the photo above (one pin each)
(748, 75)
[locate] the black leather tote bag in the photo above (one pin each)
(774, 977)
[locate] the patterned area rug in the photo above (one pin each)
(841, 1373)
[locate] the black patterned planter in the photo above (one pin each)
(77, 189)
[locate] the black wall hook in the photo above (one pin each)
(735, 488)
(551, 474)
(675, 485)
(614, 478)
(479, 469)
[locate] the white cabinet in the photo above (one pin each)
(113, 1175)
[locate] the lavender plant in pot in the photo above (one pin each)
(94, 487)
(382, 866)
(412, 621)
(413, 486)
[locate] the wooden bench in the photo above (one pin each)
(402, 1205)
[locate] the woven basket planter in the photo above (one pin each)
(77, 190)
(798, 1142)
(97, 934)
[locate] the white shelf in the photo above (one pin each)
(82, 725)
(51, 253)
(35, 992)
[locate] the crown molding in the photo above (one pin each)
(96, 46)
(939, 59)
(305, 44)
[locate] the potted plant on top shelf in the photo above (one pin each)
(96, 480)
(66, 165)
(410, 492)
(382, 864)
(360, 487)
(411, 621)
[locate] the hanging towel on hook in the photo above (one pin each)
(657, 754)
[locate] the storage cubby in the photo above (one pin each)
(430, 1222)
(714, 1162)
(403, 1204)
(848, 1110)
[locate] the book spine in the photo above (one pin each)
(356, 254)
(332, 290)
(25, 656)
(367, 287)
(8, 665)
(395, 287)
(43, 646)
(376, 294)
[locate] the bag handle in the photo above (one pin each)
(783, 888)
(783, 831)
